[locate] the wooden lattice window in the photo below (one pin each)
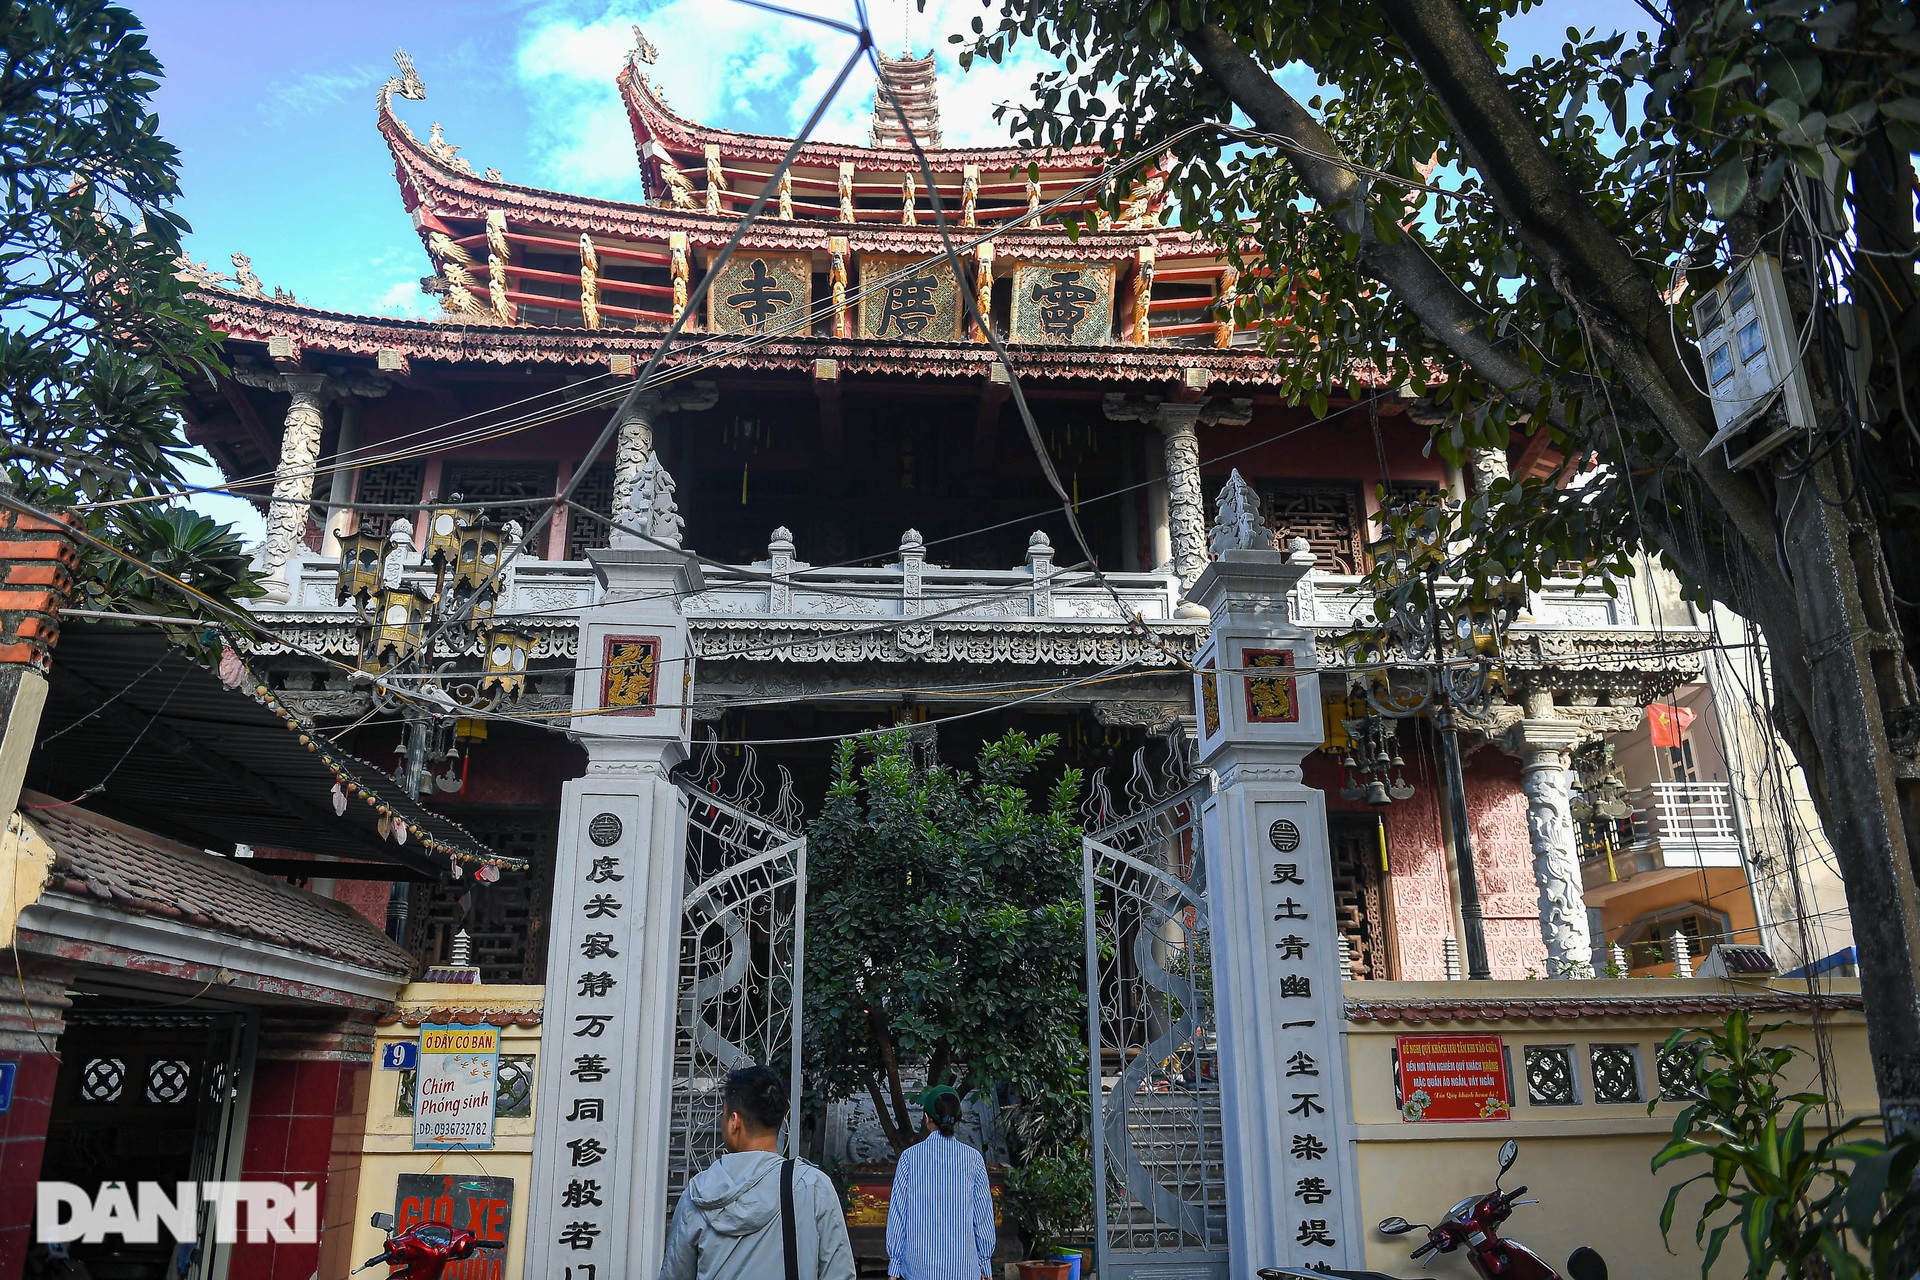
(1359, 903)
(1329, 517)
(583, 530)
(506, 922)
(493, 481)
(390, 482)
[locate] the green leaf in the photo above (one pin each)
(1809, 131)
(1727, 188)
(1793, 73)
(1904, 109)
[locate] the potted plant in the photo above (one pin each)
(1051, 1197)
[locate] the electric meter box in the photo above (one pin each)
(1746, 341)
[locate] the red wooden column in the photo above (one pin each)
(32, 1016)
(306, 1123)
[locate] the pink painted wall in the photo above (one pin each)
(1419, 909)
(1497, 810)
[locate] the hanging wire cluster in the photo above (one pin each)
(347, 785)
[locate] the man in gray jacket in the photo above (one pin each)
(730, 1224)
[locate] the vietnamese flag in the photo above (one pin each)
(1669, 723)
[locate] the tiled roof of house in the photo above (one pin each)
(1714, 1004)
(466, 1017)
(143, 874)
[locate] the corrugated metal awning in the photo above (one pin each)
(181, 754)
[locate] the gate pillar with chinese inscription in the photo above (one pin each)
(597, 1206)
(1292, 1197)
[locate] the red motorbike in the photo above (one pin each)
(1473, 1224)
(422, 1251)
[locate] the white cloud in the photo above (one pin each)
(403, 298)
(284, 101)
(733, 66)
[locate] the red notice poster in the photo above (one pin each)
(1441, 1077)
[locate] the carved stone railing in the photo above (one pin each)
(782, 609)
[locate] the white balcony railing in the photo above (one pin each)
(1675, 827)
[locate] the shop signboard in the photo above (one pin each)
(454, 1087)
(1452, 1077)
(482, 1205)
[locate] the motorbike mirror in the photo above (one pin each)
(1509, 1152)
(383, 1222)
(1395, 1226)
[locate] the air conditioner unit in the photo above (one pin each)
(1753, 361)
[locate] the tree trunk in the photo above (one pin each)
(1826, 611)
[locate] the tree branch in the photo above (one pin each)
(1588, 265)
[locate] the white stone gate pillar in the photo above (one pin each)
(1292, 1197)
(597, 1206)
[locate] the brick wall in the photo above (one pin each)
(306, 1123)
(37, 562)
(33, 1008)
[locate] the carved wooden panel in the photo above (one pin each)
(595, 491)
(493, 481)
(390, 482)
(1329, 517)
(506, 921)
(1358, 897)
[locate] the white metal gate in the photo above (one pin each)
(742, 954)
(1159, 1187)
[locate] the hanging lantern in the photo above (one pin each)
(446, 529)
(398, 628)
(505, 661)
(359, 569)
(478, 559)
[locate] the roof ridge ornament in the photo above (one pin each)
(643, 50)
(1239, 526)
(407, 84)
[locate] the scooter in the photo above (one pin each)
(422, 1251)
(1472, 1223)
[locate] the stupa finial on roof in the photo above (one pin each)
(912, 82)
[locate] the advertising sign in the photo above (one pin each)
(1444, 1077)
(481, 1205)
(454, 1087)
(8, 1070)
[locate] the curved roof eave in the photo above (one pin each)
(652, 118)
(443, 192)
(315, 331)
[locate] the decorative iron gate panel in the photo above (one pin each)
(1160, 1184)
(742, 932)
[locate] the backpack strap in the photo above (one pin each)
(788, 1232)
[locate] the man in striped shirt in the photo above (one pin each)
(940, 1217)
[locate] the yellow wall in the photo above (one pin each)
(1721, 889)
(1587, 1163)
(389, 1143)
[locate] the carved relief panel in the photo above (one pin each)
(1063, 302)
(908, 298)
(756, 291)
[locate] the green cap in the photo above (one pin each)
(930, 1096)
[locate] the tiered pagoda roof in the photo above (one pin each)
(844, 263)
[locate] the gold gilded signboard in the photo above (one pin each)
(758, 291)
(1068, 302)
(908, 298)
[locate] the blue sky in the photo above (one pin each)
(272, 107)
